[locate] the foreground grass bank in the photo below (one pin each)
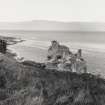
(28, 83)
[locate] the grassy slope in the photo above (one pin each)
(30, 84)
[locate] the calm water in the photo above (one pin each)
(36, 43)
(86, 40)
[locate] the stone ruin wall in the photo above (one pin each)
(61, 58)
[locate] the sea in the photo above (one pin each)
(35, 45)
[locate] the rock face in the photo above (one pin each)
(3, 46)
(61, 58)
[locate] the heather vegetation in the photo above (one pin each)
(29, 83)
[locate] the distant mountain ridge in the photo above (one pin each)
(43, 25)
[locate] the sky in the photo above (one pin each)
(56, 10)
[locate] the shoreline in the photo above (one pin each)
(11, 40)
(95, 60)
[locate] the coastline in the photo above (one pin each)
(19, 48)
(95, 60)
(11, 40)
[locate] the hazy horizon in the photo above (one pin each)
(46, 25)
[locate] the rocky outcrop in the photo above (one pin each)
(3, 46)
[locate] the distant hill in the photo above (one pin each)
(43, 25)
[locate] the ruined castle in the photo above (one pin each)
(61, 58)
